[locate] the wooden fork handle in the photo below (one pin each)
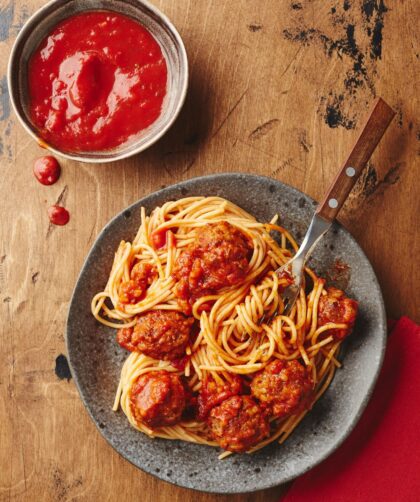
(377, 122)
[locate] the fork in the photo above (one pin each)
(378, 120)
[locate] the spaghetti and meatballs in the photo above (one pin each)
(189, 297)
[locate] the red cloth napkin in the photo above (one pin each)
(380, 460)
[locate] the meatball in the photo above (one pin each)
(283, 387)
(218, 258)
(161, 334)
(238, 423)
(337, 308)
(213, 393)
(158, 399)
(141, 277)
(124, 338)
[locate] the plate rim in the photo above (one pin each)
(366, 398)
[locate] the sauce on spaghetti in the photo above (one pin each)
(47, 170)
(335, 307)
(162, 239)
(212, 394)
(95, 81)
(141, 277)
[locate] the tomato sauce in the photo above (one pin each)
(58, 215)
(158, 399)
(283, 388)
(238, 423)
(212, 394)
(97, 80)
(47, 170)
(141, 277)
(163, 238)
(336, 307)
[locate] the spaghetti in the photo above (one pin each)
(192, 290)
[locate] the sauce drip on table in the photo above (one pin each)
(47, 170)
(95, 81)
(58, 215)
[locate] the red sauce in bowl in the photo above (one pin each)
(95, 81)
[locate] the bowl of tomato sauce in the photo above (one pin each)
(98, 80)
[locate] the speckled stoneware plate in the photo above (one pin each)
(96, 359)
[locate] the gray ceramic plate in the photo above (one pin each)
(96, 359)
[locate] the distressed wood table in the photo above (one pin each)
(277, 88)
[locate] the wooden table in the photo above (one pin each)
(277, 88)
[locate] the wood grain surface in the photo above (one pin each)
(277, 88)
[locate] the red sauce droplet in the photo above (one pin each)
(58, 215)
(47, 170)
(159, 239)
(163, 238)
(95, 81)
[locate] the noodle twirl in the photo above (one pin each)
(189, 296)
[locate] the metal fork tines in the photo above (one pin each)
(295, 266)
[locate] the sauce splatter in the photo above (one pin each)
(339, 275)
(47, 170)
(58, 215)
